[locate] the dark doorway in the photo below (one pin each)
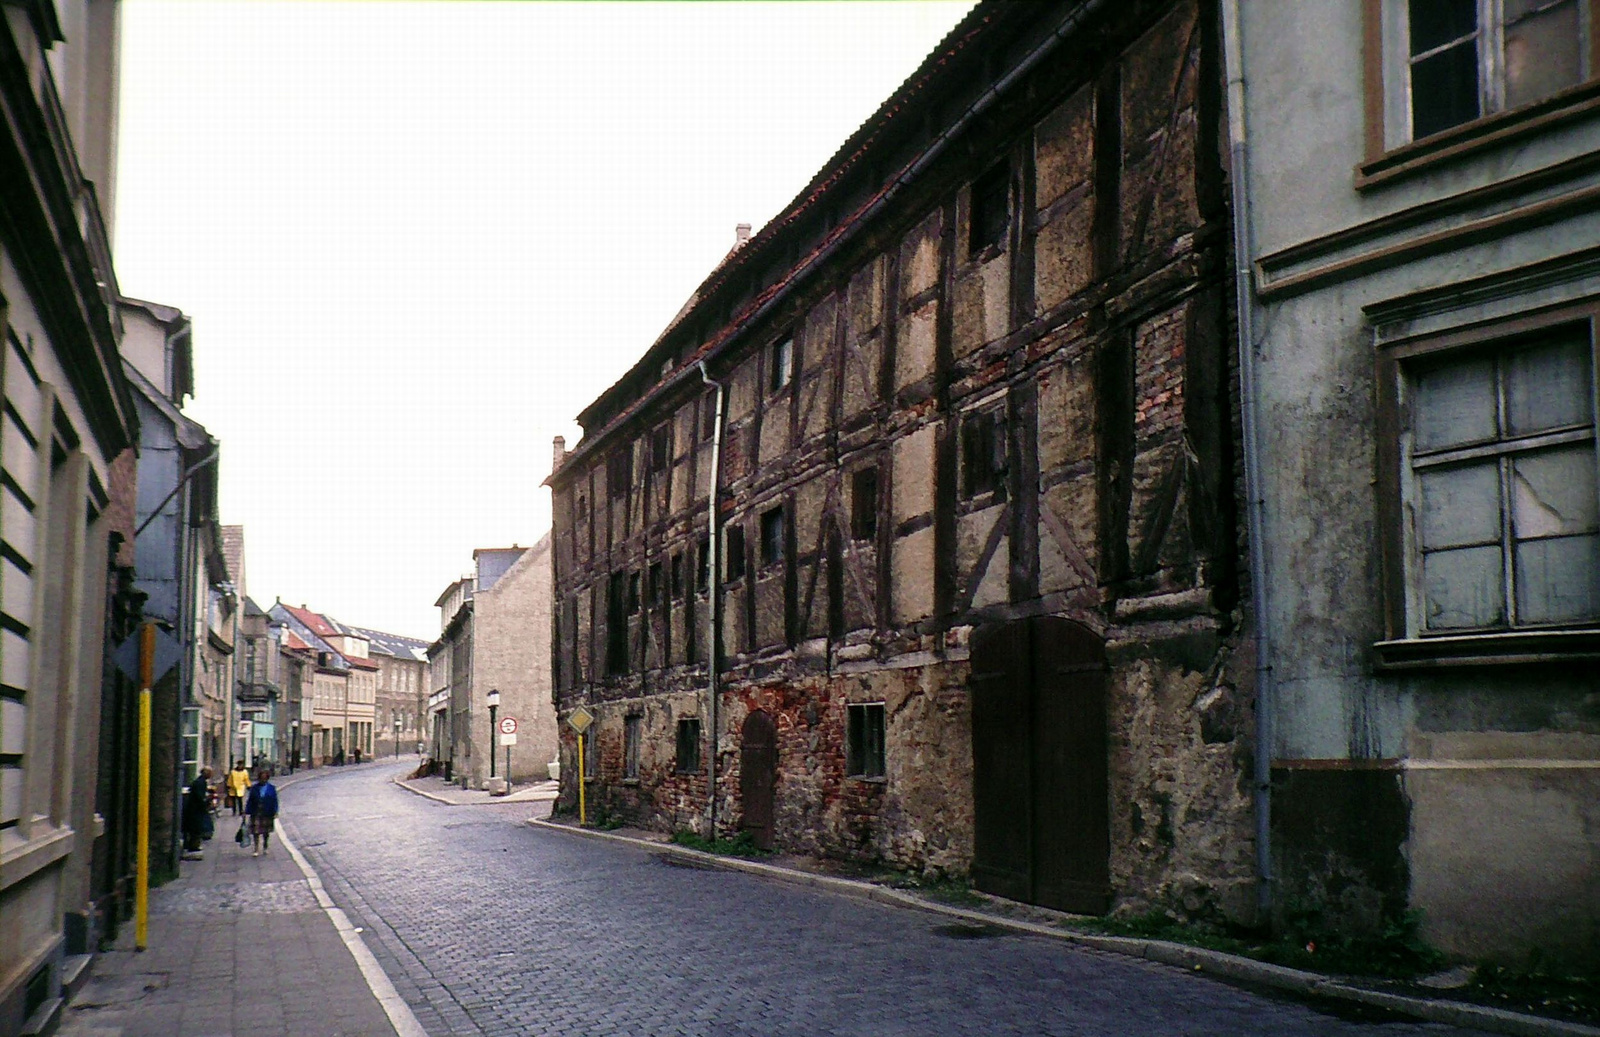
(758, 775)
(1039, 764)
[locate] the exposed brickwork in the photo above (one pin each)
(1046, 420)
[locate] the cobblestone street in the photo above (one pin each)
(488, 926)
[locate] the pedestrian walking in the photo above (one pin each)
(238, 783)
(196, 814)
(261, 807)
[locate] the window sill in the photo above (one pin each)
(1480, 135)
(1509, 649)
(868, 779)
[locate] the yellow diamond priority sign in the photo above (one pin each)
(580, 719)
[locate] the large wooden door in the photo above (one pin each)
(1039, 764)
(758, 775)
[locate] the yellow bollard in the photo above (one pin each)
(141, 888)
(583, 817)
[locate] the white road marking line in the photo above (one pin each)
(400, 1017)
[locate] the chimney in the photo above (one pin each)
(560, 453)
(741, 236)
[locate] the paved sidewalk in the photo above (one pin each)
(439, 790)
(238, 945)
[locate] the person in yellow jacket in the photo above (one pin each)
(238, 785)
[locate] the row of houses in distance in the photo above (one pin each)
(1152, 465)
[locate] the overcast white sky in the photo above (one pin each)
(415, 239)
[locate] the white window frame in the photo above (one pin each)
(1491, 60)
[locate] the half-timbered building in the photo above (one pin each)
(933, 482)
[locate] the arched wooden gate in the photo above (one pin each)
(758, 775)
(1039, 779)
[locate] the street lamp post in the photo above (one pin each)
(397, 738)
(494, 707)
(294, 743)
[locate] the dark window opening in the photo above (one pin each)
(983, 454)
(1444, 64)
(677, 576)
(653, 585)
(617, 624)
(619, 471)
(864, 504)
(864, 741)
(780, 364)
(689, 745)
(660, 448)
(702, 576)
(772, 536)
(991, 211)
(733, 544)
(633, 593)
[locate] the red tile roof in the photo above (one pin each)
(314, 622)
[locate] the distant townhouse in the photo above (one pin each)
(402, 692)
(494, 640)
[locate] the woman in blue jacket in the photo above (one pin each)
(261, 807)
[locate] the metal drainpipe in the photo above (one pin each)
(1255, 510)
(714, 578)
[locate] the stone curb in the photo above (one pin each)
(1193, 959)
(494, 801)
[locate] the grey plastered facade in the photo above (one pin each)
(1435, 705)
(976, 412)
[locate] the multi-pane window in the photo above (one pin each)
(772, 536)
(864, 504)
(1504, 524)
(983, 453)
(864, 741)
(632, 727)
(990, 211)
(780, 366)
(688, 745)
(1469, 58)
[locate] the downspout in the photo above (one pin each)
(714, 578)
(1255, 494)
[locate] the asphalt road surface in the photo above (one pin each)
(486, 925)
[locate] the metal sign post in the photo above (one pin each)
(508, 738)
(580, 719)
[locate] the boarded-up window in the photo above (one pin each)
(619, 471)
(632, 726)
(772, 536)
(864, 504)
(688, 745)
(991, 211)
(617, 624)
(660, 448)
(733, 545)
(780, 363)
(1506, 521)
(983, 453)
(864, 741)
